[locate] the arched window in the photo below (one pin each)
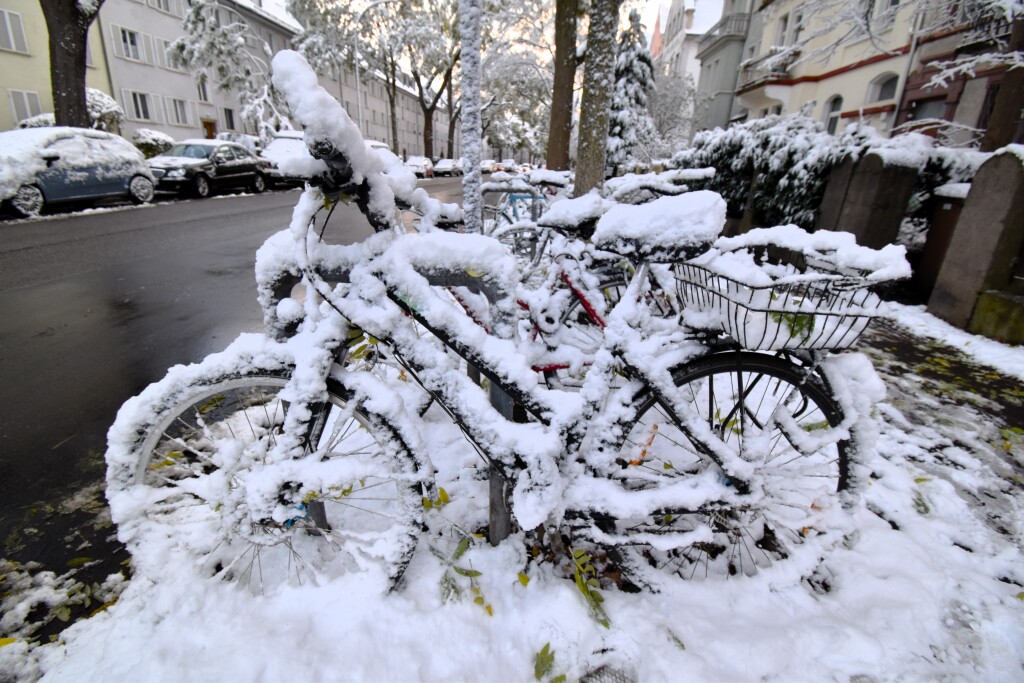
(883, 88)
(833, 107)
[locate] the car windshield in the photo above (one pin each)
(190, 151)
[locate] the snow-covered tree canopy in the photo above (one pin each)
(631, 131)
(217, 51)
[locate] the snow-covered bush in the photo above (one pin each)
(38, 121)
(151, 142)
(104, 113)
(790, 156)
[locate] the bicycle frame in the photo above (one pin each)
(540, 459)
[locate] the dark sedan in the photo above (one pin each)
(198, 167)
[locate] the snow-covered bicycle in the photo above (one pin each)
(283, 459)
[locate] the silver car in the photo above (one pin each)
(40, 167)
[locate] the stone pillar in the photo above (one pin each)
(987, 242)
(872, 203)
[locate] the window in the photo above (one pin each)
(229, 118)
(201, 87)
(930, 109)
(130, 45)
(780, 36)
(25, 104)
(163, 5)
(12, 35)
(798, 27)
(179, 112)
(883, 88)
(832, 110)
(140, 106)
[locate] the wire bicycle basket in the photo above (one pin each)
(806, 304)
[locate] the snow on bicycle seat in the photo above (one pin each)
(574, 215)
(667, 229)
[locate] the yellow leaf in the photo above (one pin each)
(7, 641)
(442, 496)
(490, 610)
(79, 561)
(523, 578)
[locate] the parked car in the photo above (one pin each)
(447, 167)
(250, 142)
(44, 166)
(198, 167)
(487, 166)
(525, 168)
(421, 166)
(288, 148)
(508, 165)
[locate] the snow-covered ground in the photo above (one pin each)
(927, 585)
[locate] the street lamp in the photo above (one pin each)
(355, 49)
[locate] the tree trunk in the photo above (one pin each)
(68, 26)
(428, 132)
(598, 85)
(393, 103)
(560, 129)
(1004, 126)
(453, 116)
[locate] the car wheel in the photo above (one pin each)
(140, 189)
(28, 201)
(201, 186)
(259, 183)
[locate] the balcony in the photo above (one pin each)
(770, 68)
(730, 26)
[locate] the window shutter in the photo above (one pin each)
(157, 105)
(17, 32)
(193, 113)
(148, 49)
(115, 38)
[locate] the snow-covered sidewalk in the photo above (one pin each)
(926, 586)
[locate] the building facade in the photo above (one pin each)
(853, 81)
(128, 49)
(720, 51)
(25, 62)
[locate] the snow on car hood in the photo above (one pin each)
(175, 162)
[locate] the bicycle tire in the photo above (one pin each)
(796, 489)
(178, 489)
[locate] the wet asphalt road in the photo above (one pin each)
(95, 306)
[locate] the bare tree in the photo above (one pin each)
(68, 22)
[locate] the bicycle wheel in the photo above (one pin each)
(355, 504)
(737, 395)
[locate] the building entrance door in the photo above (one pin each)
(209, 129)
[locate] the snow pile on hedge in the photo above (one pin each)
(791, 158)
(152, 142)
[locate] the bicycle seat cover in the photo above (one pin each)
(664, 230)
(574, 215)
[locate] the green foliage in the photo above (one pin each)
(799, 325)
(544, 663)
(441, 500)
(451, 590)
(586, 581)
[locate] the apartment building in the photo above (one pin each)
(688, 20)
(855, 81)
(720, 51)
(25, 62)
(128, 49)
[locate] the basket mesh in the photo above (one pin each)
(823, 310)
